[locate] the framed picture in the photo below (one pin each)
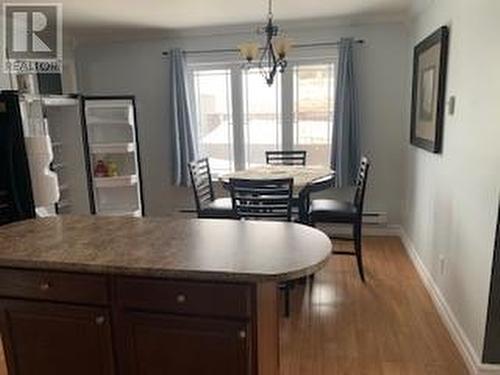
(430, 62)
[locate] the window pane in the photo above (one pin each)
(213, 103)
(262, 116)
(313, 111)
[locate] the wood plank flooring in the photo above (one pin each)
(388, 326)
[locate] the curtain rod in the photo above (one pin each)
(227, 50)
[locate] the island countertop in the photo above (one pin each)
(204, 249)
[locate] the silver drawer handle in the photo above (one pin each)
(181, 298)
(100, 320)
(44, 286)
(242, 334)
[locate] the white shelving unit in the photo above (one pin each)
(112, 138)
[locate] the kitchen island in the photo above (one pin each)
(141, 296)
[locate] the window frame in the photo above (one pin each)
(238, 105)
(312, 62)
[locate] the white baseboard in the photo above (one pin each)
(463, 344)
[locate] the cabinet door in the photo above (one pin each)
(52, 339)
(161, 344)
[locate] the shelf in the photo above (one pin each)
(118, 181)
(52, 100)
(59, 102)
(116, 212)
(109, 103)
(112, 148)
(96, 121)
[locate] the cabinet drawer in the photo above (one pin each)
(53, 286)
(202, 299)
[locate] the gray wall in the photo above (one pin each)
(138, 68)
(451, 199)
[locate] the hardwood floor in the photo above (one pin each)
(388, 326)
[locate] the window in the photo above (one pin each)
(240, 117)
(313, 111)
(261, 117)
(212, 90)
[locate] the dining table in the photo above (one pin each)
(301, 175)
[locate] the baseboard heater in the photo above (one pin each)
(375, 218)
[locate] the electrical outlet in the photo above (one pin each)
(442, 264)
(451, 105)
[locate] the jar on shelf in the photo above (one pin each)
(112, 169)
(101, 169)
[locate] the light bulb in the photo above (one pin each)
(249, 50)
(282, 45)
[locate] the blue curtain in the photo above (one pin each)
(345, 155)
(182, 124)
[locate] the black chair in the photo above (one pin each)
(304, 201)
(339, 212)
(264, 200)
(207, 206)
(286, 157)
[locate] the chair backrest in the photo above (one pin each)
(201, 180)
(262, 199)
(359, 195)
(286, 157)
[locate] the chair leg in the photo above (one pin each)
(358, 249)
(311, 282)
(287, 301)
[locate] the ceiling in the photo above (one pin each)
(106, 15)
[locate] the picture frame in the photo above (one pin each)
(430, 65)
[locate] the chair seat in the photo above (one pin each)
(333, 211)
(218, 208)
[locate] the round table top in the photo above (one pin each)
(302, 175)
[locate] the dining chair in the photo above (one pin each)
(264, 200)
(291, 157)
(340, 212)
(207, 206)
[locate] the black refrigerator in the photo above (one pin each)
(50, 147)
(16, 197)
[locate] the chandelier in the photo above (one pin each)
(273, 53)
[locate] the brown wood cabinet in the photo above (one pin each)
(46, 339)
(56, 323)
(162, 344)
